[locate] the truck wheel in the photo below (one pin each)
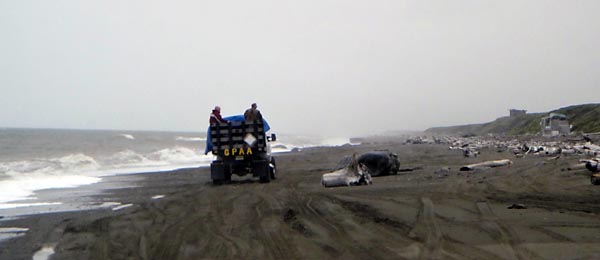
(227, 174)
(265, 179)
(266, 176)
(272, 168)
(221, 174)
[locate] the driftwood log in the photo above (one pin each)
(574, 167)
(485, 165)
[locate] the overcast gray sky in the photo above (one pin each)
(341, 67)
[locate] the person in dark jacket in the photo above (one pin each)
(215, 116)
(252, 113)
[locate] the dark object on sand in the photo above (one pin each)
(379, 163)
(595, 179)
(354, 174)
(444, 170)
(469, 152)
(241, 147)
(410, 169)
(593, 165)
(516, 206)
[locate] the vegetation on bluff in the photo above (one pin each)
(584, 118)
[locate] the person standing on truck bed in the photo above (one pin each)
(215, 116)
(252, 113)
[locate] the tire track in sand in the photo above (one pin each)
(507, 237)
(427, 224)
(268, 210)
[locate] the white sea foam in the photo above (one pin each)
(85, 157)
(299, 142)
(109, 204)
(78, 162)
(176, 155)
(12, 232)
(335, 141)
(23, 186)
(128, 136)
(45, 159)
(55, 166)
(190, 139)
(22, 178)
(23, 205)
(125, 159)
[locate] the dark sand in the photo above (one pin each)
(423, 214)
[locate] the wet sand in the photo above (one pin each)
(430, 213)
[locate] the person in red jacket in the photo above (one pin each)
(215, 116)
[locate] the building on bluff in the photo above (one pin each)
(555, 124)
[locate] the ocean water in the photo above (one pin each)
(36, 159)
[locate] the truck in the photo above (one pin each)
(241, 147)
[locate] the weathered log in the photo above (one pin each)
(592, 147)
(485, 165)
(574, 167)
(552, 151)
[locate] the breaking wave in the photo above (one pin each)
(61, 159)
(190, 139)
(176, 155)
(19, 179)
(128, 136)
(55, 166)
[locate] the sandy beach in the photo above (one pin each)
(432, 212)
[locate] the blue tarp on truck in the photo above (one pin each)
(236, 118)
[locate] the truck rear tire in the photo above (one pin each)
(220, 173)
(260, 168)
(265, 179)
